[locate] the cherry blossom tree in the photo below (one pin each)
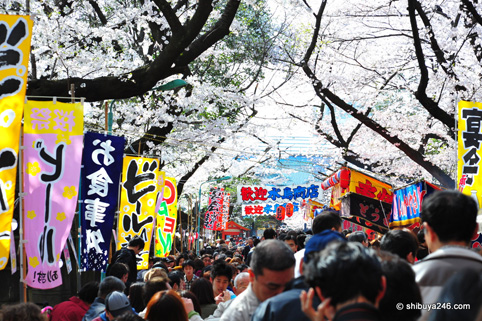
(387, 77)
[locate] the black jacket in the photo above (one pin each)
(128, 257)
(286, 305)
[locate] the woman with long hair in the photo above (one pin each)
(203, 290)
(169, 306)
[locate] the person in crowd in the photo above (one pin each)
(136, 296)
(128, 317)
(327, 220)
(460, 297)
(287, 305)
(203, 290)
(153, 286)
(207, 259)
(198, 266)
(176, 280)
(195, 302)
(189, 276)
(159, 265)
(168, 306)
(116, 304)
(449, 221)
(128, 256)
(242, 268)
(248, 258)
(358, 236)
(401, 289)
(119, 270)
(347, 277)
(241, 283)
(221, 274)
(290, 240)
(75, 308)
(248, 248)
(108, 285)
(422, 248)
(272, 268)
(402, 243)
(180, 259)
(269, 234)
(22, 312)
(155, 272)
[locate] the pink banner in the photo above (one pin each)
(53, 152)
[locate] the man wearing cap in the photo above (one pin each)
(116, 304)
(108, 285)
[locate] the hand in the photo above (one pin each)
(324, 310)
(223, 297)
(188, 306)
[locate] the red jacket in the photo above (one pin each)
(71, 310)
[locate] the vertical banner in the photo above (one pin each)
(166, 219)
(15, 35)
(102, 166)
(53, 151)
(225, 210)
(469, 153)
(214, 209)
(138, 203)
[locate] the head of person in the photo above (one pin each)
(154, 285)
(401, 289)
(22, 311)
(290, 240)
(175, 279)
(242, 268)
(116, 304)
(221, 275)
(136, 296)
(153, 260)
(272, 267)
(449, 217)
(327, 220)
(358, 236)
(89, 291)
(207, 259)
(241, 283)
(110, 284)
(166, 306)
(345, 272)
(402, 243)
(119, 270)
(319, 241)
(155, 272)
(195, 302)
(250, 242)
(203, 290)
(136, 244)
(269, 234)
(188, 269)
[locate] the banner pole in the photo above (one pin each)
(23, 286)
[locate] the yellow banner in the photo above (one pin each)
(138, 202)
(14, 57)
(469, 153)
(370, 187)
(363, 185)
(166, 219)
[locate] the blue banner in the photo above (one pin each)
(407, 203)
(102, 167)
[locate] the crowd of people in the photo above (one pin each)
(324, 274)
